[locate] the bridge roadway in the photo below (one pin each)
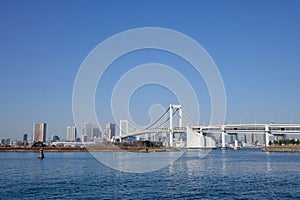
(267, 129)
(155, 130)
(273, 129)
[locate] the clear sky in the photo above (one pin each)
(255, 44)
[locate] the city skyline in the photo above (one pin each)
(254, 44)
(39, 133)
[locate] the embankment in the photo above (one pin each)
(287, 148)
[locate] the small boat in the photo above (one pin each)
(41, 155)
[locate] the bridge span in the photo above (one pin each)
(199, 136)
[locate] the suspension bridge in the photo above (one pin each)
(187, 134)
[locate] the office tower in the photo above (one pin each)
(110, 130)
(71, 133)
(84, 138)
(88, 130)
(39, 132)
(96, 131)
(25, 137)
(250, 138)
(91, 131)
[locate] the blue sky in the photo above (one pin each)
(255, 45)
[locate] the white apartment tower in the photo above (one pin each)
(71, 133)
(39, 132)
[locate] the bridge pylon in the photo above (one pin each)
(122, 122)
(179, 107)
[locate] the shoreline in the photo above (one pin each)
(46, 149)
(83, 149)
(282, 149)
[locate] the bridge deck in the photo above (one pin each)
(275, 129)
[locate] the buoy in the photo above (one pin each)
(41, 155)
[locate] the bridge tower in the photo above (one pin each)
(123, 122)
(223, 138)
(267, 131)
(179, 107)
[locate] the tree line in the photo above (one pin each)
(285, 142)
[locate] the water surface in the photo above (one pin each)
(245, 174)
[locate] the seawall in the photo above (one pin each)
(287, 148)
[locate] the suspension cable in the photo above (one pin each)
(182, 119)
(158, 119)
(168, 118)
(193, 121)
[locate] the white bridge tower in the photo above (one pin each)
(123, 122)
(179, 107)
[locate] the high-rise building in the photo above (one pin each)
(91, 131)
(25, 137)
(110, 130)
(71, 133)
(88, 131)
(96, 131)
(84, 138)
(39, 132)
(250, 138)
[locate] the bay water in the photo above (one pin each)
(244, 174)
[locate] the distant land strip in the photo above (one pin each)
(36, 149)
(81, 149)
(287, 148)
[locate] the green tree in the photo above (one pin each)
(293, 141)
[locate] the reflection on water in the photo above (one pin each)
(224, 169)
(171, 168)
(136, 162)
